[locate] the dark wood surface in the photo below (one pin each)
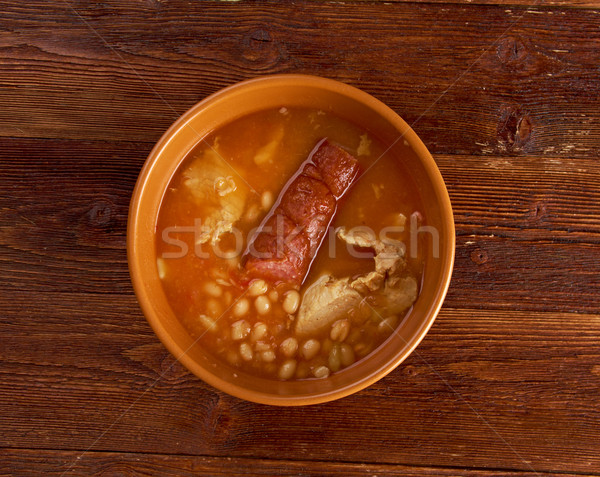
(506, 95)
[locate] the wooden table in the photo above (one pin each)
(506, 95)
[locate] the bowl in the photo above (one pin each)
(239, 100)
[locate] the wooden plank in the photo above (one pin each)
(506, 382)
(498, 272)
(524, 198)
(474, 79)
(528, 230)
(528, 227)
(63, 214)
(485, 388)
(59, 463)
(532, 4)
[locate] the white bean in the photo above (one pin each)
(289, 346)
(161, 267)
(266, 200)
(233, 261)
(262, 305)
(246, 352)
(214, 308)
(388, 324)
(262, 346)
(218, 273)
(268, 356)
(363, 349)
(257, 287)
(335, 358)
(321, 372)
(239, 330)
(310, 348)
(346, 354)
(291, 302)
(273, 295)
(241, 307)
(212, 289)
(208, 323)
(259, 331)
(364, 311)
(340, 330)
(287, 369)
(252, 213)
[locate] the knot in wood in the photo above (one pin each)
(410, 370)
(512, 52)
(514, 128)
(102, 213)
(218, 424)
(538, 210)
(260, 35)
(259, 47)
(479, 256)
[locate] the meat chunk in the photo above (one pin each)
(338, 168)
(213, 185)
(309, 204)
(389, 258)
(278, 252)
(291, 234)
(391, 289)
(397, 296)
(324, 302)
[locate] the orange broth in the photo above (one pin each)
(198, 283)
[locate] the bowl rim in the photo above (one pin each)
(405, 132)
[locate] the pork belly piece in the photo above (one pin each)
(292, 232)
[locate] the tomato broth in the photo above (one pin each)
(222, 192)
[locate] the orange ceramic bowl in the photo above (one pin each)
(249, 97)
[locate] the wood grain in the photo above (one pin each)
(63, 217)
(505, 93)
(485, 388)
(528, 228)
(545, 199)
(471, 79)
(59, 463)
(532, 4)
